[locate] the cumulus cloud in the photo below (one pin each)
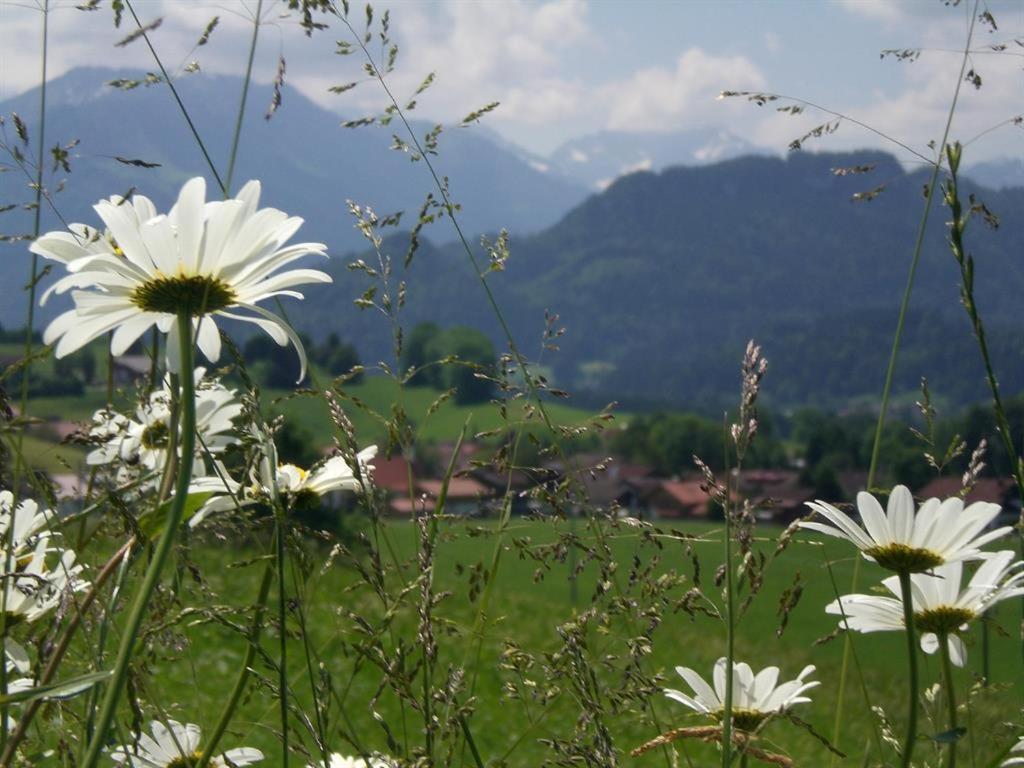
(530, 56)
(912, 101)
(657, 98)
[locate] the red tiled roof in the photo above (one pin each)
(993, 489)
(391, 474)
(686, 492)
(458, 488)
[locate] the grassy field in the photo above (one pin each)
(201, 658)
(309, 413)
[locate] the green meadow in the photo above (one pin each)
(202, 658)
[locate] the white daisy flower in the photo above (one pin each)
(35, 574)
(33, 587)
(143, 441)
(225, 494)
(343, 761)
(755, 698)
(900, 540)
(1018, 747)
(82, 240)
(209, 258)
(23, 526)
(333, 475)
(177, 746)
(940, 606)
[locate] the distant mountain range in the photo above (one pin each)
(599, 159)
(659, 279)
(662, 279)
(308, 163)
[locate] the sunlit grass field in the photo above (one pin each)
(198, 673)
(309, 413)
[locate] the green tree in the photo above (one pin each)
(336, 357)
(275, 366)
(475, 354)
(415, 355)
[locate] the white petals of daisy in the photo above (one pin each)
(143, 441)
(174, 745)
(900, 540)
(343, 761)
(1018, 747)
(28, 523)
(755, 697)
(333, 475)
(940, 606)
(36, 576)
(217, 258)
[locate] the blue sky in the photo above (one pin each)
(564, 68)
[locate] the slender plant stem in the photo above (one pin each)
(226, 186)
(947, 682)
(37, 224)
(243, 671)
(966, 263)
(177, 98)
(282, 618)
(908, 623)
(163, 547)
(730, 633)
(302, 596)
(890, 371)
(53, 664)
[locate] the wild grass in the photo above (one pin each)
(524, 613)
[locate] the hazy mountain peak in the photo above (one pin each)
(597, 159)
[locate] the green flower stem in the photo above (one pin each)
(282, 618)
(730, 637)
(245, 94)
(53, 665)
(908, 621)
(174, 92)
(243, 671)
(30, 319)
(947, 682)
(162, 550)
(876, 443)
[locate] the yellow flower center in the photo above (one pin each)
(903, 558)
(186, 761)
(943, 620)
(199, 294)
(744, 719)
(156, 435)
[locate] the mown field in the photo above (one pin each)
(309, 414)
(202, 658)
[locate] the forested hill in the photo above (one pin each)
(661, 279)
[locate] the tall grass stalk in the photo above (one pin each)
(226, 186)
(34, 276)
(177, 97)
(730, 636)
(282, 618)
(890, 370)
(61, 647)
(163, 548)
(965, 262)
(906, 593)
(948, 684)
(253, 640)
(531, 384)
(19, 460)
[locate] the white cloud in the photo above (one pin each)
(511, 52)
(914, 105)
(876, 10)
(661, 99)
